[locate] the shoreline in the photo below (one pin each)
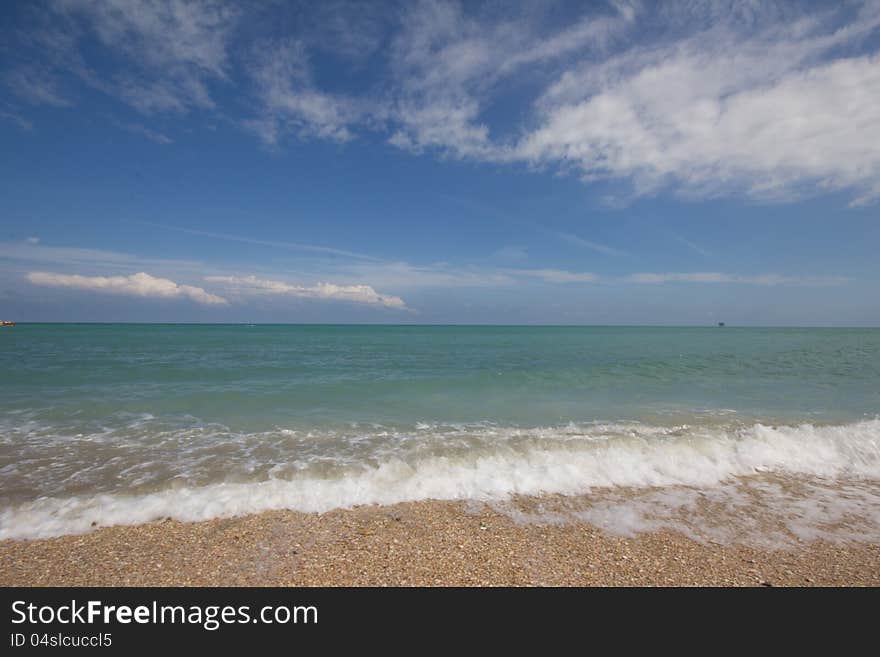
(425, 543)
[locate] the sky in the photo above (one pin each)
(546, 162)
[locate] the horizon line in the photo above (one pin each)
(455, 324)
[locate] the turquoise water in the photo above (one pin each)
(261, 416)
(259, 377)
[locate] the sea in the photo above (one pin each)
(108, 424)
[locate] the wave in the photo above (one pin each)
(492, 464)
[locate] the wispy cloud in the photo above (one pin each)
(556, 275)
(511, 253)
(401, 275)
(296, 246)
(448, 64)
(770, 109)
(718, 277)
(251, 285)
(136, 285)
(593, 246)
(27, 253)
(706, 99)
(165, 52)
(148, 133)
(290, 102)
(17, 119)
(36, 86)
(693, 246)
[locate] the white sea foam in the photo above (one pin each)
(492, 463)
(759, 511)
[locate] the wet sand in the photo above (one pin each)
(427, 543)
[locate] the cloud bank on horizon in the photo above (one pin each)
(251, 285)
(217, 287)
(137, 285)
(143, 284)
(768, 101)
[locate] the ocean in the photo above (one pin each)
(104, 424)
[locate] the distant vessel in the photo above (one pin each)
(721, 324)
(5, 323)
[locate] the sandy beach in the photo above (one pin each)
(427, 543)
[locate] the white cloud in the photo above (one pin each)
(17, 119)
(294, 246)
(718, 277)
(137, 285)
(691, 277)
(344, 28)
(290, 102)
(448, 63)
(511, 253)
(162, 33)
(167, 51)
(29, 255)
(773, 101)
(556, 275)
(143, 131)
(251, 285)
(439, 275)
(36, 86)
(593, 246)
(441, 64)
(764, 113)
(693, 246)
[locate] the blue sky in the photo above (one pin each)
(535, 162)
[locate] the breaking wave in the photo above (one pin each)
(445, 462)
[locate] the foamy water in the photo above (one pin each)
(487, 464)
(110, 424)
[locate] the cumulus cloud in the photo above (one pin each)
(137, 285)
(251, 285)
